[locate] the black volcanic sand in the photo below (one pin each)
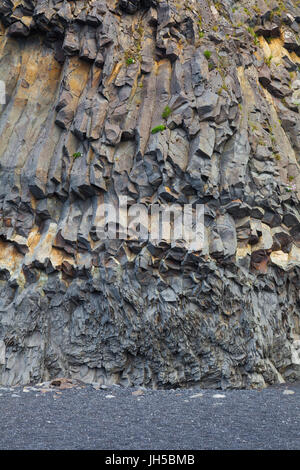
(129, 418)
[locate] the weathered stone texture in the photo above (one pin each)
(93, 78)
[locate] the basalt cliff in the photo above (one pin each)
(170, 101)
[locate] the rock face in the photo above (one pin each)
(87, 84)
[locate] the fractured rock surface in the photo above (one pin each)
(87, 84)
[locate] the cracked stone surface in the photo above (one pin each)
(93, 79)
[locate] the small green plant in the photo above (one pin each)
(130, 61)
(201, 34)
(256, 9)
(253, 34)
(268, 60)
(166, 112)
(225, 87)
(290, 187)
(253, 126)
(157, 129)
(77, 155)
(207, 54)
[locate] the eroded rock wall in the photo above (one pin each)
(86, 83)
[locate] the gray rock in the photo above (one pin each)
(139, 99)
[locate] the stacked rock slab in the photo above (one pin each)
(86, 83)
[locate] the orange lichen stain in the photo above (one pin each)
(134, 25)
(279, 257)
(20, 102)
(49, 238)
(7, 222)
(275, 49)
(243, 249)
(31, 72)
(33, 239)
(3, 37)
(294, 57)
(33, 202)
(78, 75)
(49, 71)
(27, 20)
(133, 94)
(115, 72)
(10, 257)
(90, 155)
(16, 4)
(57, 257)
(96, 77)
(38, 70)
(159, 63)
(179, 45)
(262, 267)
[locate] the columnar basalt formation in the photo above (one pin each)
(87, 82)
